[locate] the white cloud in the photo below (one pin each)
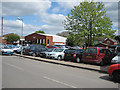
(25, 8)
(52, 29)
(53, 19)
(16, 27)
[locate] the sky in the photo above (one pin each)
(46, 15)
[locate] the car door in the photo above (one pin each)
(108, 56)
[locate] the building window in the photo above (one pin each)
(43, 40)
(40, 41)
(48, 41)
(108, 42)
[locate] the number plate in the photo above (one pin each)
(88, 56)
(68, 55)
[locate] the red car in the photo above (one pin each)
(99, 55)
(114, 71)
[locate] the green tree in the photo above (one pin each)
(40, 32)
(12, 38)
(117, 38)
(88, 20)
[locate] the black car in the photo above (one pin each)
(73, 55)
(35, 50)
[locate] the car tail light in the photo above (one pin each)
(74, 55)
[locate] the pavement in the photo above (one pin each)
(102, 69)
(20, 72)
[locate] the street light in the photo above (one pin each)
(21, 35)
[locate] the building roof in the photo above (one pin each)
(110, 39)
(56, 38)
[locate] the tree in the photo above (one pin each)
(88, 20)
(11, 38)
(40, 32)
(117, 38)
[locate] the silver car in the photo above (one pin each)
(57, 54)
(116, 59)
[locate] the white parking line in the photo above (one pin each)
(14, 66)
(59, 82)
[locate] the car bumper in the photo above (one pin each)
(51, 56)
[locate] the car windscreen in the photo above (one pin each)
(58, 50)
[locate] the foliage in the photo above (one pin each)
(88, 20)
(117, 38)
(44, 44)
(12, 37)
(40, 32)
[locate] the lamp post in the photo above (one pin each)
(21, 35)
(2, 30)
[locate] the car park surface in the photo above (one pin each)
(29, 73)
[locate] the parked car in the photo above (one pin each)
(36, 49)
(99, 55)
(73, 54)
(26, 50)
(57, 54)
(44, 54)
(114, 72)
(5, 50)
(17, 49)
(116, 59)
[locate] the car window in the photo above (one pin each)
(43, 49)
(58, 50)
(5, 47)
(79, 51)
(71, 50)
(104, 51)
(91, 50)
(118, 54)
(32, 48)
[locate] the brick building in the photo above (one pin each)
(109, 41)
(3, 39)
(38, 38)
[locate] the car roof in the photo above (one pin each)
(97, 47)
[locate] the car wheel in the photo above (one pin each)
(116, 76)
(34, 55)
(59, 58)
(78, 60)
